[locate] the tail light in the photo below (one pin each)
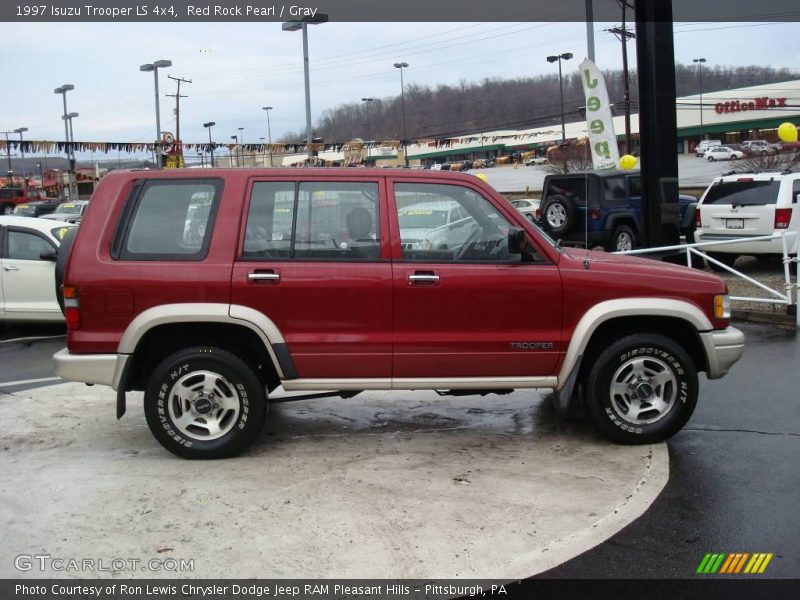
(594, 214)
(698, 222)
(72, 307)
(782, 218)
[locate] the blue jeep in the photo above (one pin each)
(612, 216)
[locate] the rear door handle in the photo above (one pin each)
(421, 277)
(11, 268)
(264, 276)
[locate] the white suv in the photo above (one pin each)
(749, 205)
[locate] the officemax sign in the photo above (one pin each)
(763, 103)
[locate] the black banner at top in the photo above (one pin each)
(65, 11)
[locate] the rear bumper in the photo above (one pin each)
(755, 247)
(723, 348)
(104, 369)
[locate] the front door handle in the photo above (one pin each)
(423, 277)
(11, 268)
(264, 276)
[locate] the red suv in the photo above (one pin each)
(209, 290)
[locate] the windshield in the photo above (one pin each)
(743, 193)
(422, 218)
(68, 209)
(25, 209)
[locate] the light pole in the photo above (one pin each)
(269, 132)
(235, 139)
(368, 101)
(41, 174)
(208, 126)
(154, 67)
(558, 58)
(241, 142)
(700, 62)
(303, 25)
(20, 131)
(72, 184)
(401, 66)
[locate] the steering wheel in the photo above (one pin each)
(469, 243)
(496, 245)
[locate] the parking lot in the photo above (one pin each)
(403, 483)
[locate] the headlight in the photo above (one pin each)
(722, 306)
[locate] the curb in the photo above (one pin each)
(752, 316)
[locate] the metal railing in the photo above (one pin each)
(777, 297)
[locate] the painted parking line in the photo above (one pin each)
(29, 381)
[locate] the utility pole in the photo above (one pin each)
(177, 96)
(623, 35)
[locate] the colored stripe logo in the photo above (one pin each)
(734, 563)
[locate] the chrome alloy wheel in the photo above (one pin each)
(556, 216)
(203, 405)
(643, 390)
(624, 241)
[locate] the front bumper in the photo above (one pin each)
(105, 369)
(723, 348)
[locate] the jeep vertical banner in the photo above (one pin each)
(602, 139)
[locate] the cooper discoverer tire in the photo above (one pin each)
(558, 215)
(203, 403)
(642, 389)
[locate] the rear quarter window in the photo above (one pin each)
(743, 193)
(168, 220)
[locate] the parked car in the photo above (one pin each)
(436, 167)
(528, 207)
(37, 208)
(482, 163)
(760, 147)
(27, 258)
(603, 208)
(722, 153)
(343, 302)
(536, 160)
(11, 197)
(748, 205)
(706, 145)
(70, 212)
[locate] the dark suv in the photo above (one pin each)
(612, 217)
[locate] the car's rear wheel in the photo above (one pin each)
(204, 402)
(530, 217)
(642, 389)
(559, 214)
(726, 259)
(622, 239)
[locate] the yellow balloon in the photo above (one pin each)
(482, 177)
(627, 162)
(787, 132)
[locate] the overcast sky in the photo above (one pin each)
(237, 68)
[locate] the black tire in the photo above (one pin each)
(621, 236)
(690, 236)
(659, 357)
(232, 378)
(61, 263)
(530, 217)
(8, 209)
(726, 259)
(558, 215)
(711, 159)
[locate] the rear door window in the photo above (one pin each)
(743, 193)
(169, 220)
(572, 188)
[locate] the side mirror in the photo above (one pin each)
(48, 255)
(516, 241)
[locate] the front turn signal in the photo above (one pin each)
(722, 306)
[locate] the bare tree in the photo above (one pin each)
(768, 163)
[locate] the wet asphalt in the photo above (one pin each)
(734, 481)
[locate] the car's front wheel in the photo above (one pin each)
(204, 402)
(642, 389)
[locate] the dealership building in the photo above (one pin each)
(731, 115)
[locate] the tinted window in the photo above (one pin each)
(27, 246)
(337, 220)
(269, 220)
(614, 190)
(426, 234)
(326, 221)
(172, 220)
(743, 193)
(572, 188)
